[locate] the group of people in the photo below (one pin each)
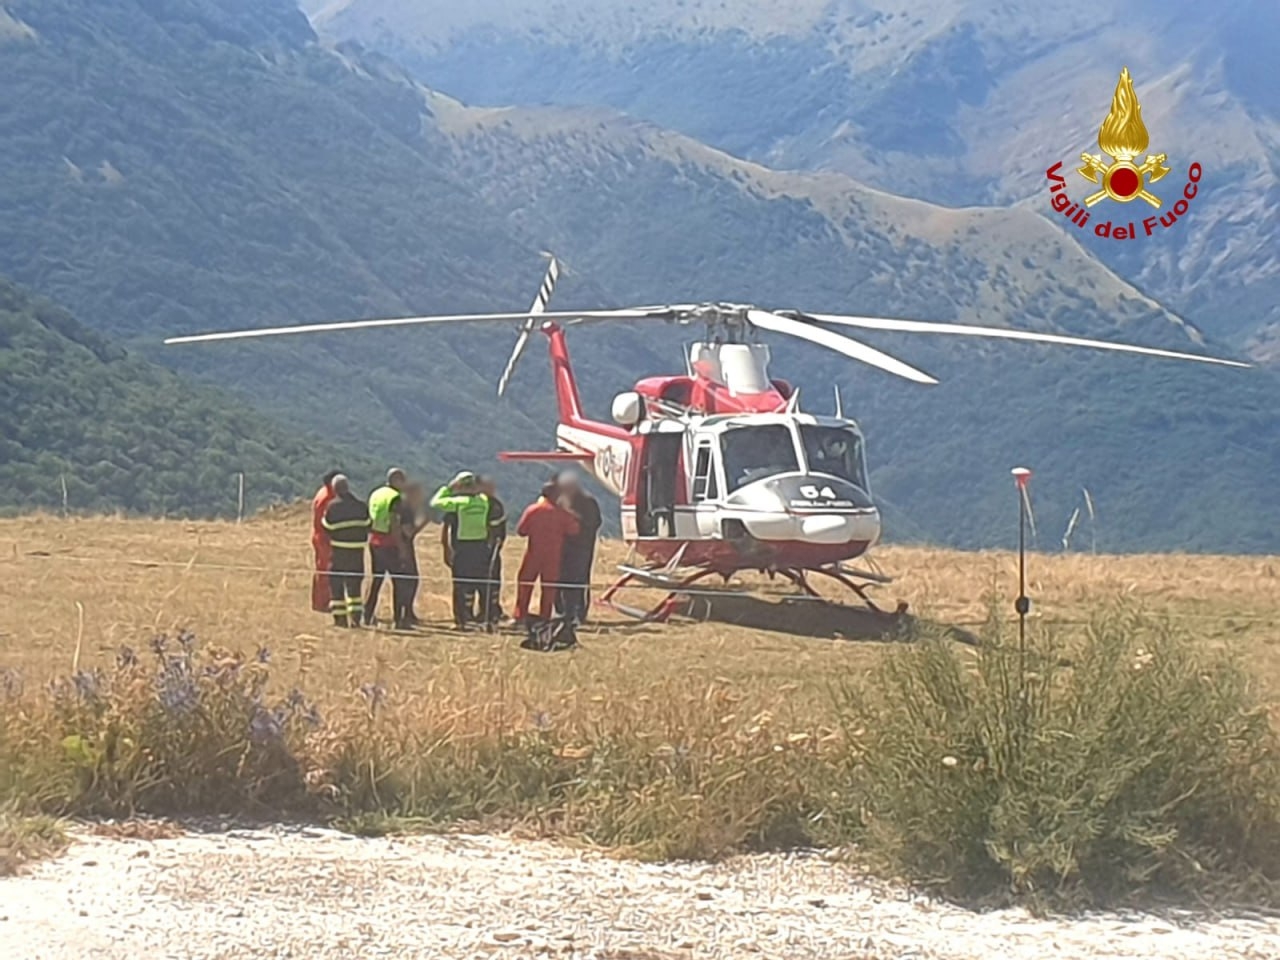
(560, 529)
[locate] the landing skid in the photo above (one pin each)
(846, 578)
(679, 592)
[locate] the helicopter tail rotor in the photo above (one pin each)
(539, 307)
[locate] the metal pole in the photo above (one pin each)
(1022, 605)
(240, 499)
(1021, 476)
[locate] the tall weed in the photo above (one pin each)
(1132, 764)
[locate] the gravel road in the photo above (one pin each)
(313, 894)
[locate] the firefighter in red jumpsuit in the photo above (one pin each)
(545, 524)
(320, 544)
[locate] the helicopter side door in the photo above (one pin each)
(658, 481)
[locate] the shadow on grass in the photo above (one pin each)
(819, 619)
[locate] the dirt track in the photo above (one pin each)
(316, 894)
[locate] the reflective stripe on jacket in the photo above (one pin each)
(347, 523)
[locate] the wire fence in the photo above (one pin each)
(441, 576)
(431, 575)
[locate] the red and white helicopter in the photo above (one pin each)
(718, 470)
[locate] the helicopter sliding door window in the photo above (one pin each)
(706, 485)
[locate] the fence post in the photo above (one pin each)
(240, 498)
(62, 478)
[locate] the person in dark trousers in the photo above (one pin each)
(574, 597)
(411, 506)
(545, 524)
(320, 544)
(463, 498)
(491, 596)
(346, 522)
(387, 546)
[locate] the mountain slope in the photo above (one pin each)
(1176, 456)
(959, 102)
(194, 165)
(125, 434)
(191, 165)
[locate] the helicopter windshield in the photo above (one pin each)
(836, 451)
(755, 452)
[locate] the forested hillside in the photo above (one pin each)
(191, 165)
(125, 434)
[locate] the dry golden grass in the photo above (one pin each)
(696, 738)
(81, 588)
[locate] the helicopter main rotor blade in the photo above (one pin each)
(1002, 333)
(792, 327)
(413, 321)
(539, 307)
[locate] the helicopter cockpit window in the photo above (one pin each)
(753, 453)
(835, 451)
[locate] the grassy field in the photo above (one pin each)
(81, 588)
(173, 668)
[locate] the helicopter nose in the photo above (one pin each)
(826, 528)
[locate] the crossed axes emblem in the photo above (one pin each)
(1095, 171)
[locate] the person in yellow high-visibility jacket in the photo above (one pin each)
(463, 498)
(388, 548)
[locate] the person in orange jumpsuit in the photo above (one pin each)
(545, 524)
(320, 544)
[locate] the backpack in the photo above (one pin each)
(548, 636)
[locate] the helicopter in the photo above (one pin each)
(718, 471)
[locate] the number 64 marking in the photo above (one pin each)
(811, 492)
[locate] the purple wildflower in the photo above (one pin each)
(126, 658)
(10, 684)
(177, 690)
(266, 725)
(263, 655)
(374, 694)
(86, 684)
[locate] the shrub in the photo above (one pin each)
(1134, 764)
(23, 839)
(168, 730)
(675, 772)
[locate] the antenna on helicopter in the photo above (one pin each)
(839, 403)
